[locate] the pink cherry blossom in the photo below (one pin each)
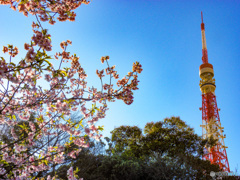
(68, 91)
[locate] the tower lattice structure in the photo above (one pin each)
(211, 125)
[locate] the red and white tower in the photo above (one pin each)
(211, 125)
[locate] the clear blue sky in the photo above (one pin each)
(165, 37)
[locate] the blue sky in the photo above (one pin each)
(165, 37)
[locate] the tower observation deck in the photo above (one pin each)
(211, 125)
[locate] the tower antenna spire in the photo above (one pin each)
(204, 43)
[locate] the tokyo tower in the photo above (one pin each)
(211, 125)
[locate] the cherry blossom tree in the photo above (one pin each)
(21, 96)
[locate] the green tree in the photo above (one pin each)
(170, 147)
(126, 141)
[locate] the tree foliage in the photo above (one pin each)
(171, 143)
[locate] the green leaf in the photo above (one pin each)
(77, 170)
(21, 126)
(63, 72)
(100, 128)
(48, 62)
(48, 57)
(12, 64)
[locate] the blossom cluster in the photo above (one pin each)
(12, 51)
(46, 10)
(42, 40)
